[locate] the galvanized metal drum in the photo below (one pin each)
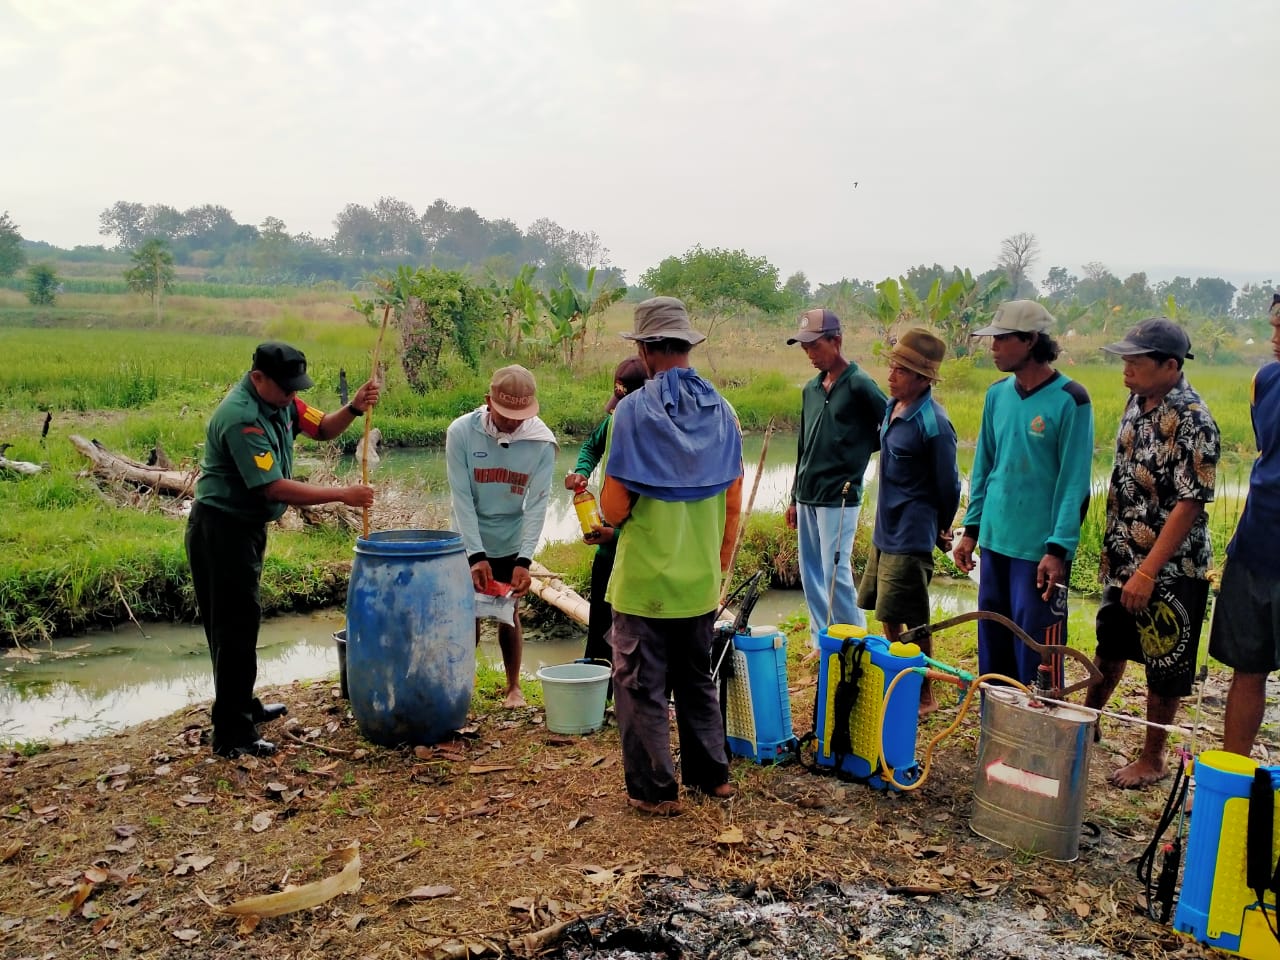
(1032, 776)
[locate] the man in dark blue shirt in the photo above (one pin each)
(1246, 619)
(918, 496)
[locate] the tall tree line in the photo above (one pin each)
(365, 238)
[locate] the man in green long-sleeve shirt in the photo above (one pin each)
(630, 375)
(840, 415)
(1028, 492)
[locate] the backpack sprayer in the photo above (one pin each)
(750, 665)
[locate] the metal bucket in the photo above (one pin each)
(1032, 774)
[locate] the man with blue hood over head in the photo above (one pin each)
(673, 477)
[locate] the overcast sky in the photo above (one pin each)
(1140, 133)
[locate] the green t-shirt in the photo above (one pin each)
(249, 444)
(668, 564)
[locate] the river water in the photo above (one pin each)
(105, 681)
(424, 469)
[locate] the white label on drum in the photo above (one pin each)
(1001, 772)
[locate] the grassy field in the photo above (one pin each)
(100, 365)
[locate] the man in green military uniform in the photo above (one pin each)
(245, 483)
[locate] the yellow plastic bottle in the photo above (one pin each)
(584, 504)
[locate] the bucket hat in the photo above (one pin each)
(663, 318)
(920, 351)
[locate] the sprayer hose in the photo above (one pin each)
(887, 773)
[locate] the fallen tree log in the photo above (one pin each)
(112, 466)
(24, 467)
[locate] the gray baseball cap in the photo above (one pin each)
(1017, 316)
(815, 324)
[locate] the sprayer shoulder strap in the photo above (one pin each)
(1262, 870)
(845, 698)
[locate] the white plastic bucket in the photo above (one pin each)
(574, 695)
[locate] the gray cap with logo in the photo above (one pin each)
(815, 324)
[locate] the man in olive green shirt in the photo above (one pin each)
(246, 482)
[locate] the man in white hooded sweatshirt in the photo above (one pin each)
(501, 457)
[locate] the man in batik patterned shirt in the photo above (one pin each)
(1156, 552)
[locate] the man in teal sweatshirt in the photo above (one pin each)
(1028, 492)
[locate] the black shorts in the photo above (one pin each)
(1246, 620)
(1165, 637)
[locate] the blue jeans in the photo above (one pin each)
(822, 532)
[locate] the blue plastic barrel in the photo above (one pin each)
(411, 636)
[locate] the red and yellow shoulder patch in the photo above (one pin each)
(308, 418)
(265, 461)
(254, 430)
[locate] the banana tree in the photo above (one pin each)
(969, 307)
(519, 304)
(885, 312)
(569, 309)
(936, 306)
(1211, 336)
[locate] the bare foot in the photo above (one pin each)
(515, 699)
(928, 705)
(1138, 775)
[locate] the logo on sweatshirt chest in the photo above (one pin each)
(517, 481)
(1036, 427)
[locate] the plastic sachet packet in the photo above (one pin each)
(495, 602)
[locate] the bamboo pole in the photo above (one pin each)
(746, 515)
(368, 418)
(550, 589)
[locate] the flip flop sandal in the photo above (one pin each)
(662, 808)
